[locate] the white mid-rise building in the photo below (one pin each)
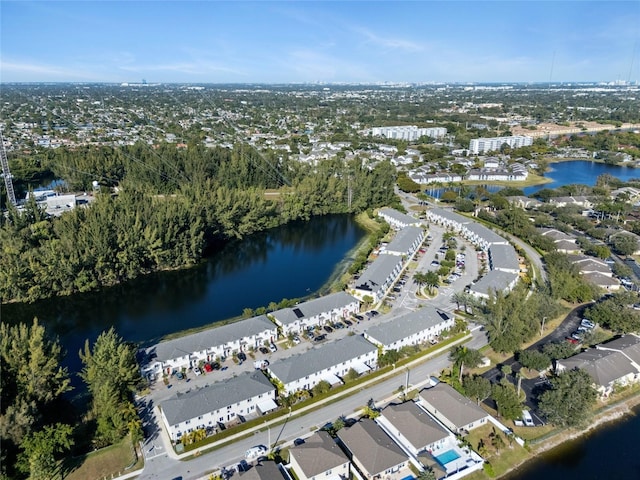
(410, 133)
(484, 145)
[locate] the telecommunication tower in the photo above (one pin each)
(8, 182)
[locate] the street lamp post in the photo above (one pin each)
(542, 326)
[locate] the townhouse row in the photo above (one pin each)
(382, 273)
(253, 394)
(504, 265)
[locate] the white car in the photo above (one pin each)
(197, 370)
(255, 452)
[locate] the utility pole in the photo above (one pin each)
(542, 326)
(8, 182)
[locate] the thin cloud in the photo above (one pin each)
(389, 42)
(11, 68)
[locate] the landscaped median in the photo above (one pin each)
(335, 394)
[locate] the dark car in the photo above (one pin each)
(242, 357)
(298, 441)
(264, 350)
(328, 329)
(348, 323)
(358, 317)
(319, 338)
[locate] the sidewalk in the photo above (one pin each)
(172, 454)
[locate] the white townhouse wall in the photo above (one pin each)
(406, 242)
(220, 402)
(457, 412)
(504, 258)
(484, 145)
(396, 219)
(306, 370)
(221, 341)
(494, 281)
(412, 328)
(476, 233)
(319, 311)
(447, 218)
(376, 279)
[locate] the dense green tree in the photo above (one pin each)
(321, 387)
(569, 399)
(506, 398)
(111, 374)
(625, 244)
(32, 378)
(615, 313)
(558, 350)
(534, 359)
(476, 386)
(462, 356)
(41, 449)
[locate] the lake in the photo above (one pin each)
(292, 261)
(610, 452)
(582, 172)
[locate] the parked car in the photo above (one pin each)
(264, 350)
(327, 329)
(242, 357)
(435, 263)
(180, 375)
(338, 325)
(348, 323)
(255, 452)
(273, 348)
(572, 340)
(261, 364)
(357, 316)
(319, 338)
(587, 323)
(208, 367)
(526, 418)
(298, 441)
(295, 340)
(197, 371)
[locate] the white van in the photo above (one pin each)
(526, 418)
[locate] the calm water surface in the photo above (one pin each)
(292, 261)
(609, 453)
(581, 172)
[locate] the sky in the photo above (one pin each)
(307, 41)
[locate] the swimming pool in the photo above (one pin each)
(409, 477)
(447, 457)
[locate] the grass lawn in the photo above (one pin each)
(107, 462)
(502, 460)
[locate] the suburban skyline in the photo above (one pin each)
(332, 41)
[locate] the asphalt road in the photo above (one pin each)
(161, 466)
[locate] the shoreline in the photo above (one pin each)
(608, 414)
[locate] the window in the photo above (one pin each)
(187, 422)
(200, 417)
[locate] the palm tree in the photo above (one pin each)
(462, 355)
(431, 280)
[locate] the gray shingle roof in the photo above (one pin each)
(603, 366)
(215, 396)
(416, 425)
(377, 273)
(406, 325)
(485, 233)
(314, 307)
(398, 216)
(404, 239)
(212, 337)
(554, 234)
(627, 344)
(370, 444)
(318, 454)
(266, 470)
(317, 359)
(495, 280)
(449, 215)
(456, 408)
(503, 257)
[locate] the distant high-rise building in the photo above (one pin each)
(410, 133)
(484, 145)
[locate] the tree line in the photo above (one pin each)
(171, 207)
(38, 425)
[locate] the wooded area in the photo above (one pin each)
(171, 206)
